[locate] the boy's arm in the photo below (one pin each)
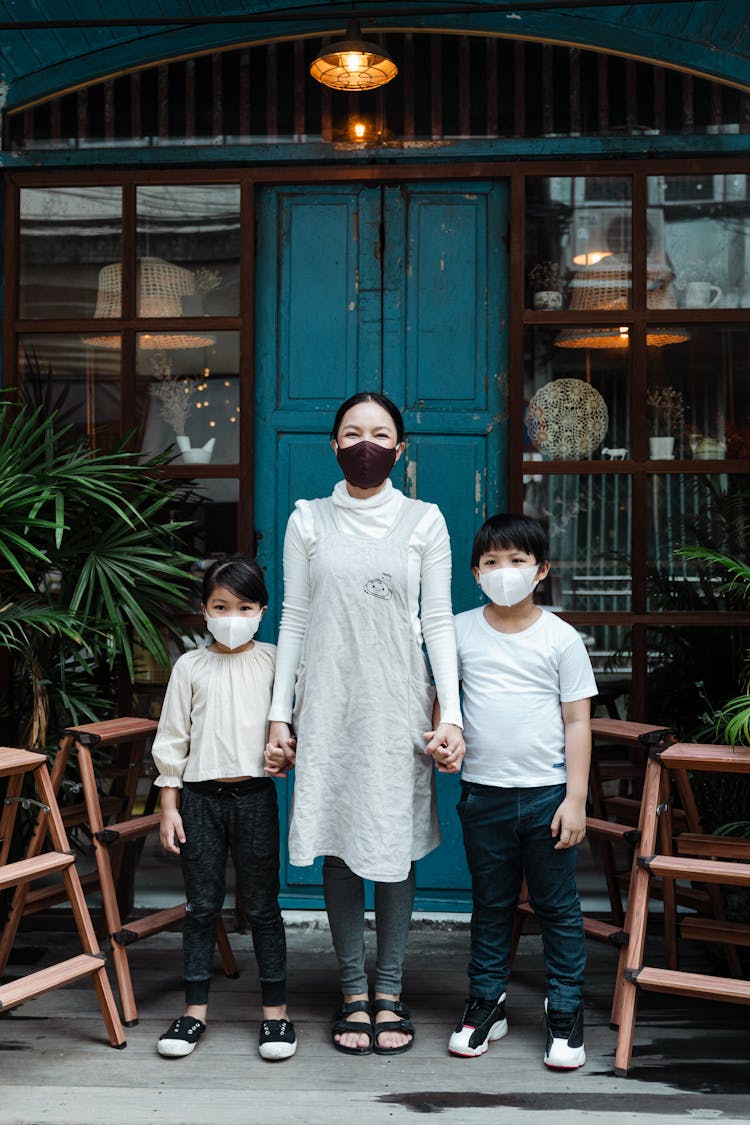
(569, 822)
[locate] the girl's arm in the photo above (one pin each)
(171, 821)
(569, 822)
(172, 740)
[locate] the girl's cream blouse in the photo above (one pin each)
(214, 720)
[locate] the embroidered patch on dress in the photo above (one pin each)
(379, 587)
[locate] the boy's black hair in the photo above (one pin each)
(369, 396)
(506, 531)
(240, 575)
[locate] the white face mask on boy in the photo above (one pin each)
(509, 585)
(235, 630)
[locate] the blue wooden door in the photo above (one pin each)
(400, 289)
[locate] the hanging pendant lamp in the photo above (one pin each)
(353, 63)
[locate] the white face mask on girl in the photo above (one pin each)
(509, 585)
(234, 630)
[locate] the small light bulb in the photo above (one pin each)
(212, 424)
(359, 129)
(354, 61)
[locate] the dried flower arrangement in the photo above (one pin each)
(545, 277)
(667, 410)
(174, 392)
(204, 279)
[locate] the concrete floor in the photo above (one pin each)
(690, 1059)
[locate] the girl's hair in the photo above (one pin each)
(369, 396)
(506, 532)
(240, 575)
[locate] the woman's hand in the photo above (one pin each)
(280, 752)
(569, 823)
(446, 745)
(170, 828)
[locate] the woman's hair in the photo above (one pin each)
(369, 396)
(240, 575)
(506, 532)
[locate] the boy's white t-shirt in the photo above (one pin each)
(513, 685)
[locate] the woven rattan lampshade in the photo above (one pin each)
(161, 287)
(353, 63)
(606, 287)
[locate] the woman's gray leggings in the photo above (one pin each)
(345, 902)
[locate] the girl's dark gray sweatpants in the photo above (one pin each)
(219, 822)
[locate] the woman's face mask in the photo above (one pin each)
(233, 631)
(509, 585)
(366, 464)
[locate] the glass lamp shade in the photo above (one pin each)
(161, 287)
(353, 63)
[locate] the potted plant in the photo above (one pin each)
(175, 394)
(667, 412)
(546, 286)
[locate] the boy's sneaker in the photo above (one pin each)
(564, 1039)
(483, 1021)
(181, 1037)
(277, 1039)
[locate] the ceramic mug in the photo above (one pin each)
(702, 295)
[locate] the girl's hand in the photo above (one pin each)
(280, 750)
(569, 823)
(446, 745)
(169, 829)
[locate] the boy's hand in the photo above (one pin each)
(170, 828)
(569, 823)
(280, 750)
(446, 745)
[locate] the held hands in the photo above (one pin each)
(170, 828)
(280, 750)
(446, 745)
(569, 823)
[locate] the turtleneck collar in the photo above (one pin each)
(342, 498)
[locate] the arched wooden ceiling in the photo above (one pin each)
(46, 46)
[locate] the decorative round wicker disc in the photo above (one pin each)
(567, 419)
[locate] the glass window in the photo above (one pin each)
(704, 235)
(188, 250)
(576, 396)
(79, 382)
(692, 669)
(67, 236)
(188, 391)
(588, 523)
(698, 395)
(578, 242)
(211, 513)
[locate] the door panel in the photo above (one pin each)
(423, 321)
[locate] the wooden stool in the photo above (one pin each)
(711, 861)
(14, 765)
(129, 736)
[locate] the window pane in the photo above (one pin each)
(188, 394)
(705, 231)
(693, 511)
(67, 236)
(610, 652)
(588, 523)
(576, 398)
(582, 226)
(188, 250)
(698, 394)
(212, 517)
(79, 382)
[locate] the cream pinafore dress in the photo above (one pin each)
(364, 788)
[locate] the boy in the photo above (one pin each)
(527, 683)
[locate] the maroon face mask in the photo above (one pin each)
(366, 464)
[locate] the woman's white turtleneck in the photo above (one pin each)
(429, 586)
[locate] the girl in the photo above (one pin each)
(357, 566)
(216, 798)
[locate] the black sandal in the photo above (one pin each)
(403, 1024)
(341, 1025)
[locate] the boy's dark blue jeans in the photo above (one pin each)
(507, 835)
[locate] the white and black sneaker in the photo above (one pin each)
(483, 1021)
(564, 1049)
(277, 1040)
(181, 1037)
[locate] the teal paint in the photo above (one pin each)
(401, 289)
(712, 39)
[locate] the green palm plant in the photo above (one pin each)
(90, 563)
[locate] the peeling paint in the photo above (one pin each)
(4, 88)
(442, 265)
(411, 480)
(478, 487)
(352, 306)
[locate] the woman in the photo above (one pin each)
(351, 679)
